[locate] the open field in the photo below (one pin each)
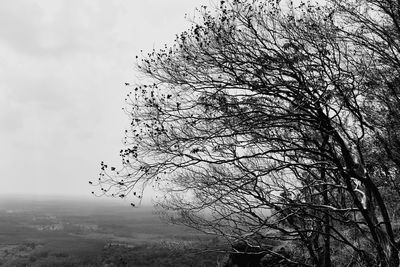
(90, 233)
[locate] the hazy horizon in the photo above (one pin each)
(89, 199)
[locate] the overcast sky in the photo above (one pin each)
(63, 65)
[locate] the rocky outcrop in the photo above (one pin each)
(244, 255)
(278, 257)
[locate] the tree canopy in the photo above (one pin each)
(270, 120)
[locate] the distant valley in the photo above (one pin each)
(53, 232)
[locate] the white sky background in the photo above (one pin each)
(63, 64)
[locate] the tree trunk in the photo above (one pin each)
(390, 251)
(393, 256)
(326, 260)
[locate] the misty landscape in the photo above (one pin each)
(227, 133)
(70, 232)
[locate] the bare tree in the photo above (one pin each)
(265, 123)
